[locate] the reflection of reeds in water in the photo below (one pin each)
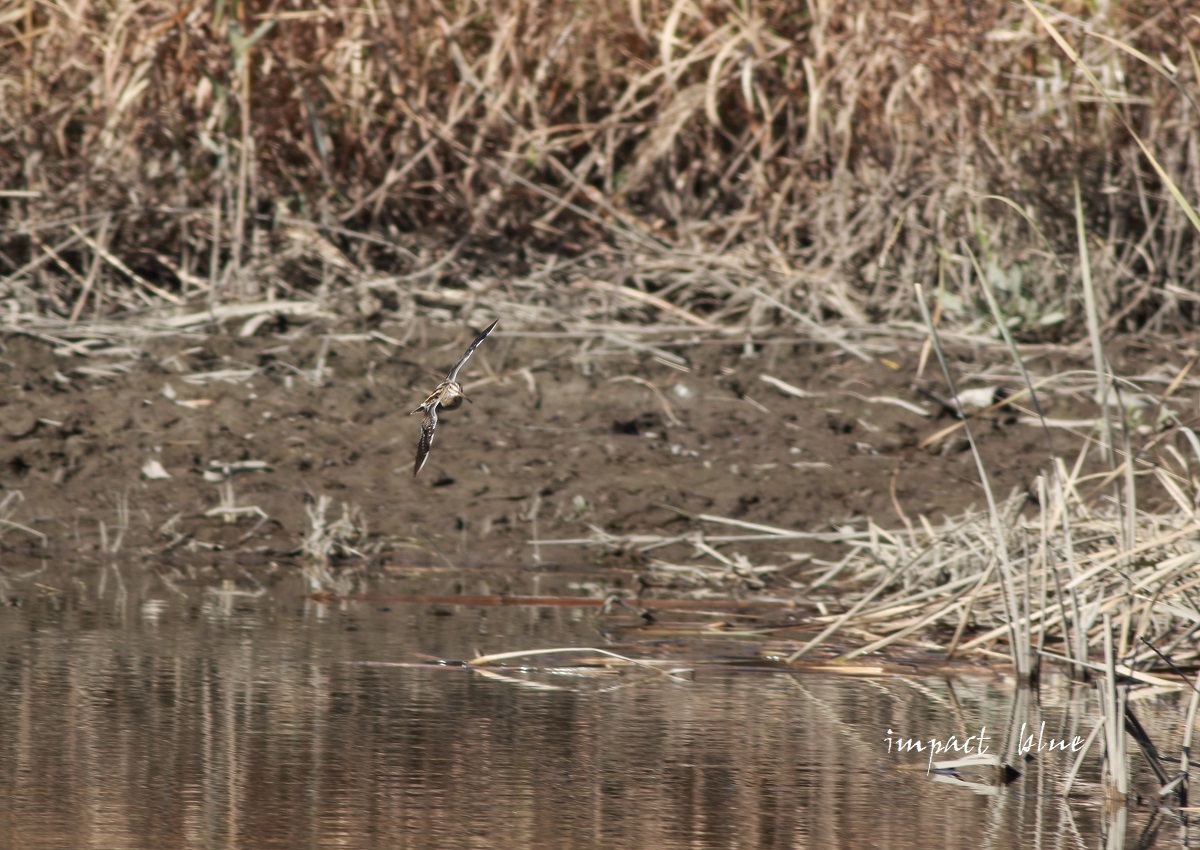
(259, 733)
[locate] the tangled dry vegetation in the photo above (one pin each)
(720, 164)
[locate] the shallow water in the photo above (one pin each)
(137, 714)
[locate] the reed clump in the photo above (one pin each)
(827, 155)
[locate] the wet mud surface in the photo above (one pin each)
(121, 449)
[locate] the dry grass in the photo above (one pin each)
(741, 164)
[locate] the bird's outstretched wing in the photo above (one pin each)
(428, 424)
(452, 375)
(450, 392)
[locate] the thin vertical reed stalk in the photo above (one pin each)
(1092, 317)
(1017, 623)
(1112, 703)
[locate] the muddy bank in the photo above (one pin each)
(122, 450)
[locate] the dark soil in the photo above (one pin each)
(564, 437)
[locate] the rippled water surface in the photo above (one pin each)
(141, 714)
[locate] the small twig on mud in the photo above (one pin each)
(222, 474)
(8, 507)
(668, 410)
(788, 389)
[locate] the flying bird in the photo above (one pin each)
(448, 395)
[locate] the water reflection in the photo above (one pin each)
(140, 715)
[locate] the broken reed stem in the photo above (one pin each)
(1101, 726)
